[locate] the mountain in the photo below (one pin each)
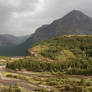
(9, 44)
(22, 39)
(74, 22)
(10, 40)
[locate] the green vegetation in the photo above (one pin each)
(63, 83)
(36, 66)
(15, 76)
(72, 55)
(14, 88)
(55, 82)
(68, 59)
(41, 90)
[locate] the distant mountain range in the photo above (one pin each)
(74, 22)
(10, 40)
(10, 43)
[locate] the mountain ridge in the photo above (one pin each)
(74, 23)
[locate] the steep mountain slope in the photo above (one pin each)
(22, 39)
(75, 22)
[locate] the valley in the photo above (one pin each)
(61, 64)
(56, 58)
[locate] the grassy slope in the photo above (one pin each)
(63, 48)
(77, 49)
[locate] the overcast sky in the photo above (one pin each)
(21, 17)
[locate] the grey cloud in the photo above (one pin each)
(26, 5)
(16, 17)
(6, 8)
(7, 23)
(4, 13)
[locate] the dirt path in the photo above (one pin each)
(20, 83)
(31, 86)
(31, 74)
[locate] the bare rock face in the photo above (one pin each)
(74, 22)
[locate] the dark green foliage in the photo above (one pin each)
(37, 66)
(41, 90)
